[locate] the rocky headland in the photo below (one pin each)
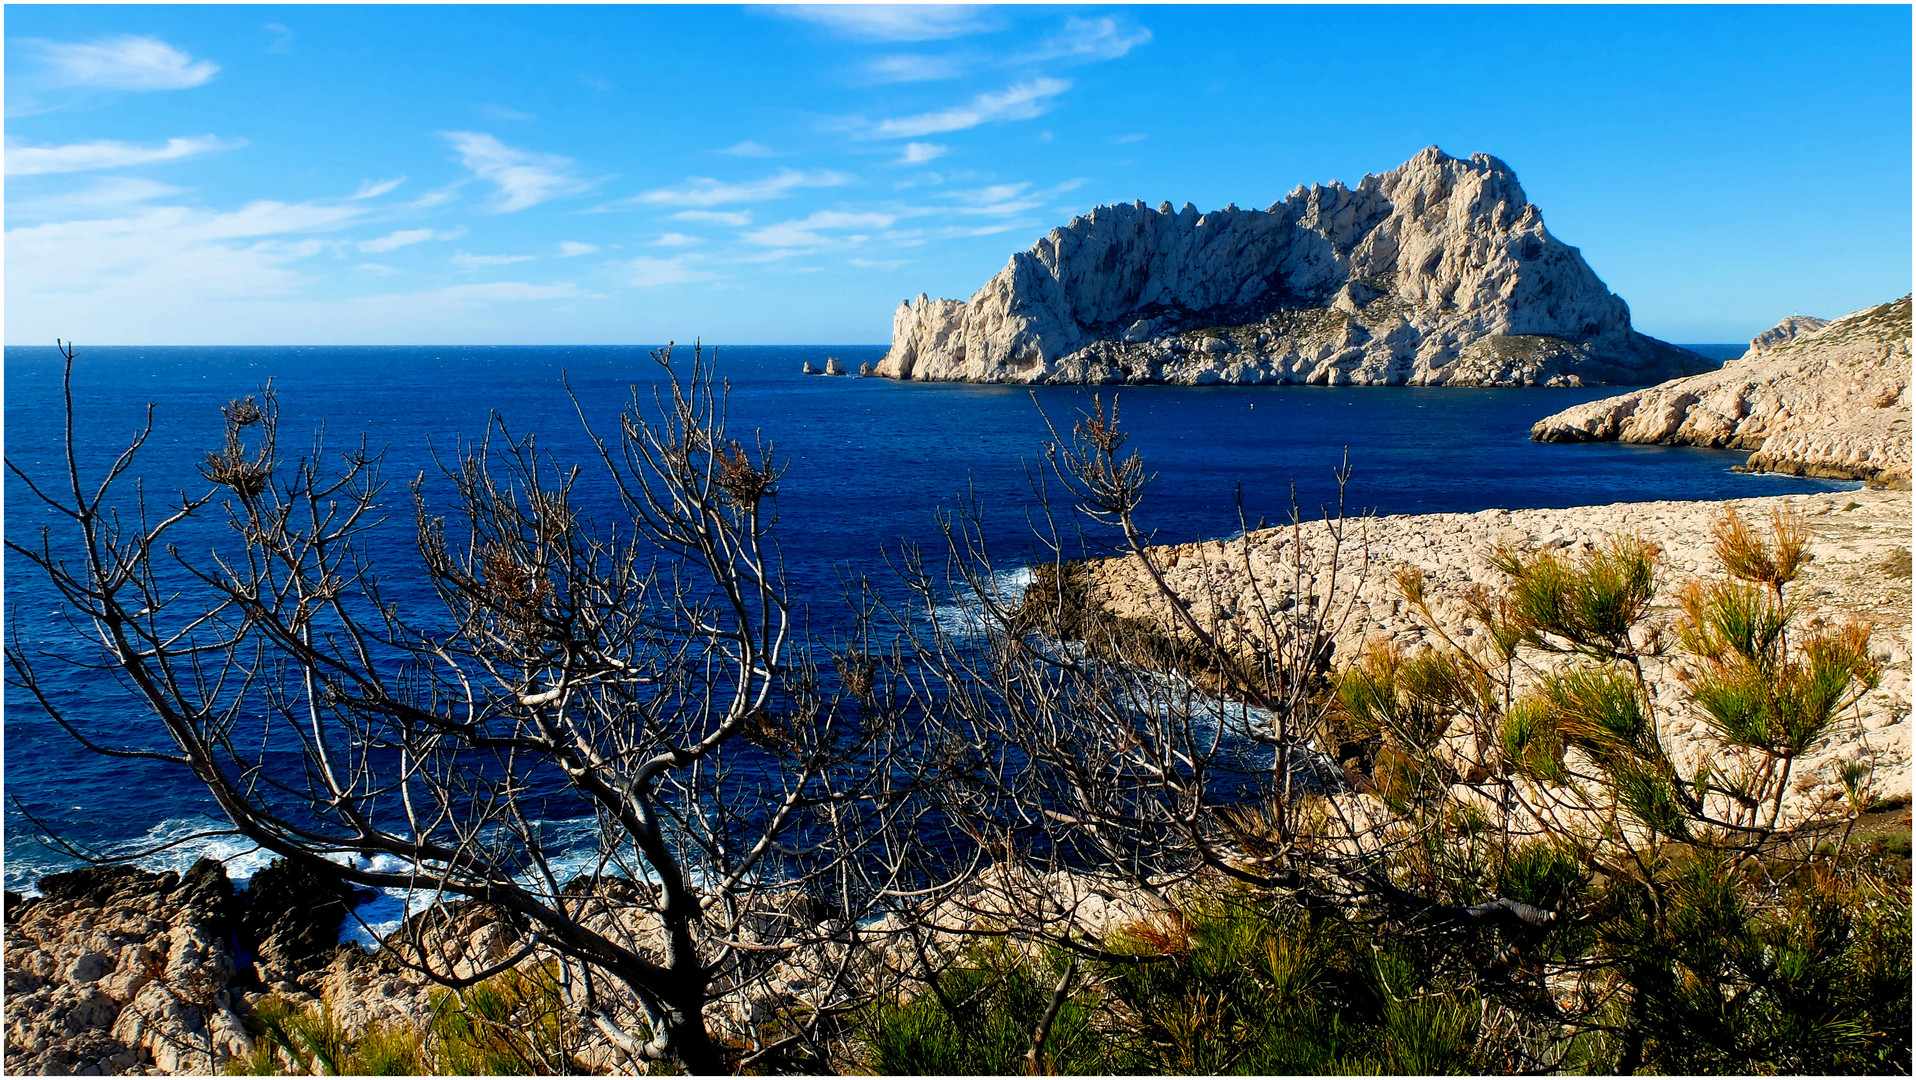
(1809, 398)
(1860, 569)
(1438, 272)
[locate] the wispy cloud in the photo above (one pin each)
(105, 193)
(127, 62)
(522, 178)
(914, 67)
(1020, 102)
(917, 153)
(647, 272)
(734, 218)
(372, 189)
(703, 191)
(571, 248)
(1088, 41)
(748, 148)
(501, 113)
(148, 263)
(282, 38)
(675, 239)
(107, 154)
(1136, 136)
(805, 232)
(500, 290)
(465, 261)
(896, 22)
(377, 268)
(394, 241)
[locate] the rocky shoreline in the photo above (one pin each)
(1860, 568)
(1809, 398)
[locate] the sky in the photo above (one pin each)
(786, 175)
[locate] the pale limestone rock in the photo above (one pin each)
(1856, 540)
(1829, 401)
(1791, 328)
(1437, 272)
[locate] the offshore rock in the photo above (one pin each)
(1438, 272)
(1812, 401)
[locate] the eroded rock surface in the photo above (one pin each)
(1438, 272)
(1859, 570)
(1829, 400)
(118, 970)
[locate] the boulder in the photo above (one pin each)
(1438, 272)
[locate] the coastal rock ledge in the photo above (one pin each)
(1809, 398)
(1438, 272)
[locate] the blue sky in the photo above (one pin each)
(614, 174)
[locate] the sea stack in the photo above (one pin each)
(834, 366)
(1809, 398)
(1438, 272)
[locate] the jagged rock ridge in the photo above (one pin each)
(1826, 400)
(1437, 272)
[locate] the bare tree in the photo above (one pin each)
(643, 670)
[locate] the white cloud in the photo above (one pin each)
(896, 22)
(501, 113)
(804, 232)
(464, 261)
(377, 268)
(1088, 40)
(394, 241)
(372, 189)
(498, 290)
(522, 178)
(570, 248)
(702, 191)
(735, 218)
(999, 200)
(107, 154)
(917, 153)
(127, 62)
(648, 272)
(282, 38)
(907, 67)
(111, 193)
(673, 239)
(879, 264)
(1020, 102)
(1131, 138)
(748, 148)
(134, 275)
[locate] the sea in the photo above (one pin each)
(871, 466)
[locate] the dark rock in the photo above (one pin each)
(95, 885)
(292, 915)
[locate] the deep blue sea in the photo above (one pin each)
(870, 464)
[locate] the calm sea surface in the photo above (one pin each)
(870, 462)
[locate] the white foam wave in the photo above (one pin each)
(964, 616)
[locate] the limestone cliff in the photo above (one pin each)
(1830, 400)
(1437, 272)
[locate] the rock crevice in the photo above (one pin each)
(1437, 272)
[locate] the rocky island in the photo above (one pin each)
(1809, 398)
(1438, 272)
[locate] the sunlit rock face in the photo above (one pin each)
(1438, 272)
(1809, 397)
